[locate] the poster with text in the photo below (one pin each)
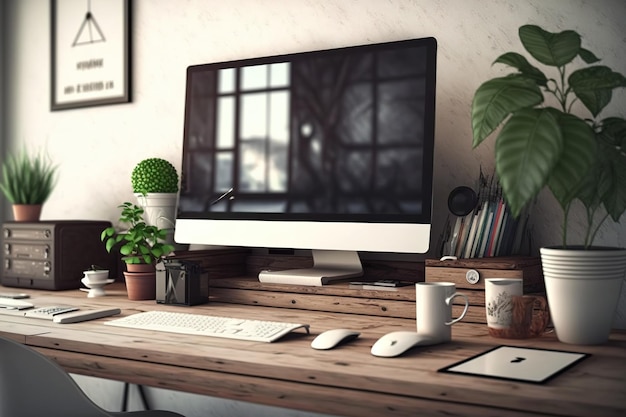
(90, 53)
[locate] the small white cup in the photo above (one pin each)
(510, 313)
(434, 309)
(97, 277)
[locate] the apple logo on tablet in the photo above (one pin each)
(518, 360)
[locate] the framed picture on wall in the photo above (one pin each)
(90, 53)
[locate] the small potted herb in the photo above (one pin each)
(140, 246)
(27, 182)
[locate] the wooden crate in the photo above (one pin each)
(469, 276)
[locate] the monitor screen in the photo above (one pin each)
(330, 150)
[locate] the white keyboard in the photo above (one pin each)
(213, 326)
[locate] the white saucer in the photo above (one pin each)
(96, 288)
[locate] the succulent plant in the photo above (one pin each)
(154, 175)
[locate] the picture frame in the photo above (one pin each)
(90, 53)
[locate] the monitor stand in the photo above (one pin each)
(328, 266)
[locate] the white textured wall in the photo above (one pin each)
(98, 147)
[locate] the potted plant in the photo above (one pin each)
(155, 184)
(550, 135)
(27, 182)
(140, 245)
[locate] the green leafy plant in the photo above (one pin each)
(140, 243)
(27, 179)
(154, 175)
(579, 158)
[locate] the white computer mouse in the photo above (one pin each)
(332, 338)
(396, 343)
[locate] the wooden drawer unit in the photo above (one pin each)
(469, 277)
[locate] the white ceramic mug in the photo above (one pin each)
(510, 313)
(434, 309)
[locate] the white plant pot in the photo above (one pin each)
(583, 289)
(159, 209)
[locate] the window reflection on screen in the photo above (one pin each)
(340, 134)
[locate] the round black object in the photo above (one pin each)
(462, 200)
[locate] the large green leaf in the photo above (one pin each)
(588, 192)
(594, 85)
(527, 149)
(614, 132)
(588, 56)
(579, 153)
(613, 158)
(519, 62)
(553, 49)
(615, 201)
(497, 98)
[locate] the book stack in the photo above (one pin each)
(490, 229)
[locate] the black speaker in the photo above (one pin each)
(462, 200)
(53, 254)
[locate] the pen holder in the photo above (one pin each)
(182, 282)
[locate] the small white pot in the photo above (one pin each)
(583, 289)
(159, 209)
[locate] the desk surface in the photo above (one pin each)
(344, 381)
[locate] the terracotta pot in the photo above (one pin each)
(26, 212)
(140, 267)
(140, 285)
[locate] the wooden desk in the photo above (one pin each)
(345, 381)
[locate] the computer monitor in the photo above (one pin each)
(328, 150)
